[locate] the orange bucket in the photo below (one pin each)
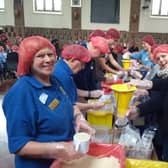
(123, 94)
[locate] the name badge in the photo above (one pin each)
(43, 98)
(53, 104)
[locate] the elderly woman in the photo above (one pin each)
(158, 102)
(40, 118)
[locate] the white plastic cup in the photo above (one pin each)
(81, 142)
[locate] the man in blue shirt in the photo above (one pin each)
(74, 58)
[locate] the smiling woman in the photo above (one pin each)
(35, 108)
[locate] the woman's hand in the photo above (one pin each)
(65, 151)
(82, 124)
(132, 113)
(141, 93)
(96, 93)
(96, 105)
(141, 84)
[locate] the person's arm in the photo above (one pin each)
(80, 121)
(87, 106)
(155, 84)
(50, 150)
(136, 55)
(114, 62)
(90, 93)
(105, 67)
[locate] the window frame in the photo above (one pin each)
(96, 7)
(3, 8)
(44, 11)
(73, 4)
(159, 15)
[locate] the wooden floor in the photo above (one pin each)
(6, 159)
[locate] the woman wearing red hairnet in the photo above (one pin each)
(158, 102)
(143, 56)
(40, 117)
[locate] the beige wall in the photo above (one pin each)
(47, 20)
(7, 17)
(124, 17)
(151, 24)
(146, 24)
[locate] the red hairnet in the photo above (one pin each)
(15, 48)
(163, 48)
(1, 48)
(76, 51)
(95, 33)
(27, 50)
(112, 34)
(118, 48)
(149, 39)
(100, 43)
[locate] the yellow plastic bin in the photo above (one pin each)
(135, 163)
(123, 95)
(100, 118)
(126, 63)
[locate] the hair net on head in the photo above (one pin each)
(100, 43)
(27, 50)
(14, 48)
(112, 34)
(163, 48)
(76, 51)
(1, 48)
(95, 33)
(118, 48)
(149, 39)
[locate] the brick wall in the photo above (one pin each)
(67, 36)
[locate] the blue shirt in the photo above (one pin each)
(64, 74)
(2, 60)
(143, 56)
(35, 112)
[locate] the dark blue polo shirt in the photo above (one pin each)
(39, 113)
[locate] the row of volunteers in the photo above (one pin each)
(42, 107)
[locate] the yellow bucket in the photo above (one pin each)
(100, 118)
(123, 94)
(126, 63)
(135, 163)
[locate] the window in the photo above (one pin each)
(105, 11)
(48, 6)
(2, 6)
(160, 8)
(75, 3)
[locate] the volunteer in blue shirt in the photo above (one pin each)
(144, 56)
(40, 118)
(74, 58)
